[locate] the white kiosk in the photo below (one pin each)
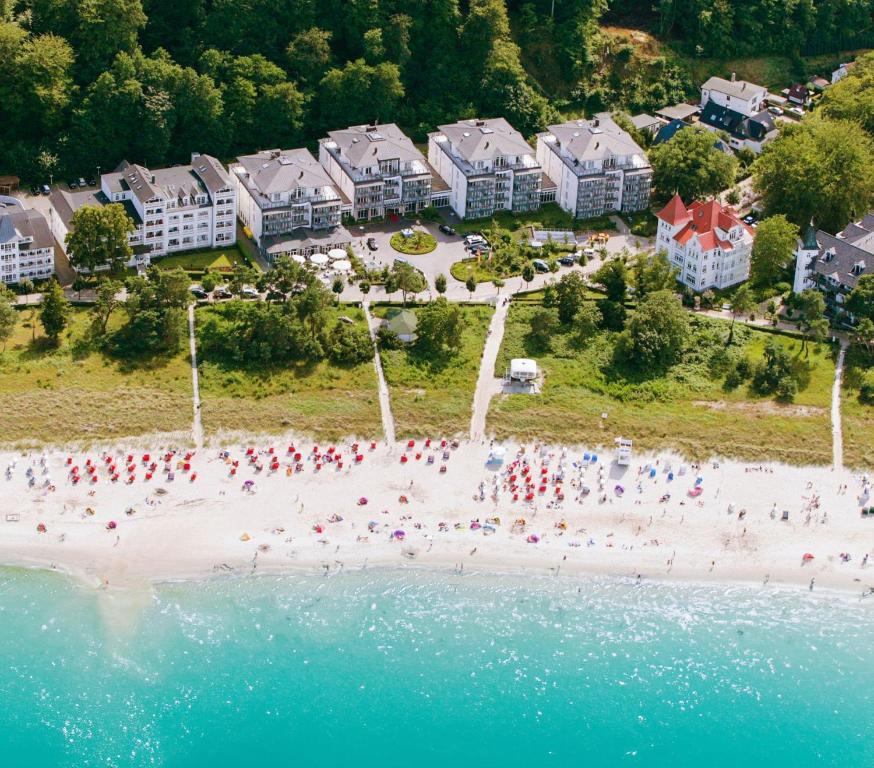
(623, 451)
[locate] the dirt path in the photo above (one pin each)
(837, 432)
(197, 426)
(388, 421)
(486, 384)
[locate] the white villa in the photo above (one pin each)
(27, 249)
(596, 166)
(736, 95)
(488, 166)
(289, 203)
(706, 243)
(182, 208)
(379, 169)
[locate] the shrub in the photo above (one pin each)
(388, 339)
(348, 345)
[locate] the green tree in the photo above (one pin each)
(99, 236)
(773, 249)
(359, 93)
(863, 337)
(861, 299)
(655, 332)
(570, 294)
(498, 283)
(309, 54)
(612, 276)
(241, 276)
(106, 302)
(742, 303)
(8, 317)
(337, 288)
(653, 273)
(348, 345)
(819, 169)
(691, 165)
(470, 284)
(409, 279)
(587, 321)
(440, 283)
(210, 280)
(364, 287)
(853, 97)
(811, 308)
(54, 311)
(440, 326)
(544, 325)
(775, 374)
(527, 275)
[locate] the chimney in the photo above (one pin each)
(370, 128)
(733, 77)
(480, 123)
(596, 122)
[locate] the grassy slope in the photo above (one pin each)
(219, 259)
(432, 397)
(73, 393)
(857, 419)
(669, 412)
(321, 399)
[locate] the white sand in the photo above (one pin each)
(195, 529)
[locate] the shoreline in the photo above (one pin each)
(297, 518)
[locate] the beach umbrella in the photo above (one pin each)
(343, 266)
(319, 259)
(336, 254)
(399, 534)
(297, 258)
(111, 525)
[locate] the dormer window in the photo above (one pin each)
(858, 268)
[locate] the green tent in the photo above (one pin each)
(403, 323)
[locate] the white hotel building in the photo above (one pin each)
(27, 249)
(706, 243)
(183, 208)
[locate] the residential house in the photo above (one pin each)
(833, 264)
(597, 166)
(743, 131)
(289, 203)
(488, 166)
(818, 84)
(706, 243)
(842, 71)
(683, 111)
(27, 249)
(737, 95)
(182, 208)
(799, 95)
(379, 170)
(647, 123)
(670, 130)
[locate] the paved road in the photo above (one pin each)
(486, 384)
(837, 431)
(388, 421)
(196, 426)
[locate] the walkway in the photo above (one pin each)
(487, 385)
(197, 426)
(388, 422)
(837, 432)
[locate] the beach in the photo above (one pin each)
(287, 504)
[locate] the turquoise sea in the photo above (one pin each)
(391, 668)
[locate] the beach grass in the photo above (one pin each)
(76, 393)
(588, 399)
(321, 399)
(857, 417)
(433, 396)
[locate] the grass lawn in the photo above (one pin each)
(687, 408)
(549, 216)
(74, 393)
(857, 418)
(433, 397)
(320, 399)
(421, 242)
(216, 259)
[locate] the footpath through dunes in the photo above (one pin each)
(388, 422)
(487, 384)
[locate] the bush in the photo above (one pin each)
(349, 346)
(388, 339)
(429, 214)
(866, 388)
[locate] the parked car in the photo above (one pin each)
(371, 244)
(34, 191)
(446, 229)
(222, 293)
(92, 182)
(73, 184)
(540, 265)
(46, 190)
(797, 111)
(475, 239)
(274, 295)
(248, 292)
(198, 292)
(588, 252)
(567, 261)
(749, 219)
(775, 110)
(82, 182)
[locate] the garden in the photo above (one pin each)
(414, 242)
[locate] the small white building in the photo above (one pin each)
(842, 71)
(523, 369)
(706, 243)
(27, 249)
(737, 95)
(623, 451)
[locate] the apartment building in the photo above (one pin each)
(597, 167)
(182, 208)
(706, 243)
(27, 249)
(289, 203)
(378, 169)
(488, 167)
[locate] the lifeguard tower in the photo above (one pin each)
(623, 451)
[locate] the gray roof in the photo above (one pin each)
(366, 145)
(66, 203)
(485, 139)
(136, 178)
(681, 111)
(16, 223)
(281, 170)
(211, 172)
(595, 139)
(740, 89)
(644, 121)
(303, 237)
(206, 175)
(840, 254)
